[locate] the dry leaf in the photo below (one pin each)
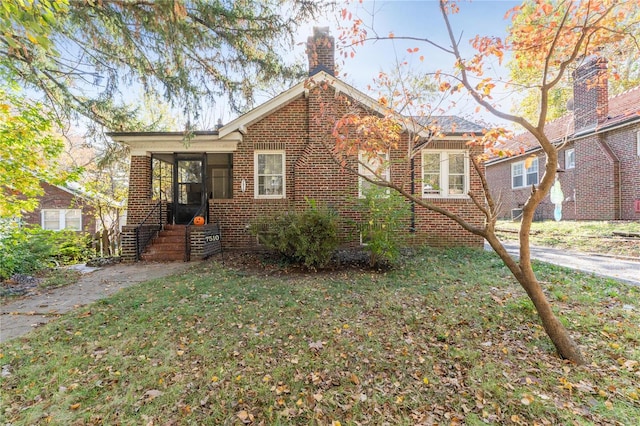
(354, 379)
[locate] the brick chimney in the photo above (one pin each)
(590, 93)
(320, 50)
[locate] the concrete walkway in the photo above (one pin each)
(626, 270)
(23, 315)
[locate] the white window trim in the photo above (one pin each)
(638, 143)
(255, 175)
(566, 157)
(62, 222)
(362, 170)
(444, 174)
(524, 173)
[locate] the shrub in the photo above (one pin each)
(27, 250)
(308, 238)
(384, 214)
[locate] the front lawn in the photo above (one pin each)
(588, 236)
(448, 338)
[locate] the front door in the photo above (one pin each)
(190, 187)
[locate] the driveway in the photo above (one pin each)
(21, 316)
(626, 270)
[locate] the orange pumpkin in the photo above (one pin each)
(198, 220)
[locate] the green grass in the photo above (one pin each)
(592, 236)
(448, 338)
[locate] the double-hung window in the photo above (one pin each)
(59, 219)
(269, 176)
(445, 173)
(522, 176)
(374, 167)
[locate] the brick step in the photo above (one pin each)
(169, 239)
(162, 257)
(169, 245)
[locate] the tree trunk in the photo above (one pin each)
(523, 272)
(559, 335)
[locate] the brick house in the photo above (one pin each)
(598, 158)
(61, 208)
(273, 159)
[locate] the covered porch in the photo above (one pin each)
(173, 183)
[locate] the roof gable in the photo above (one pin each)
(302, 89)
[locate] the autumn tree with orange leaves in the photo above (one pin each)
(547, 41)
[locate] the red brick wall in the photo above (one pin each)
(595, 185)
(56, 198)
(623, 144)
(603, 186)
(590, 93)
(310, 173)
(313, 174)
(139, 202)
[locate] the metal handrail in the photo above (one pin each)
(142, 241)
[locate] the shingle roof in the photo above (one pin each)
(450, 124)
(622, 107)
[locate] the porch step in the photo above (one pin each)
(169, 245)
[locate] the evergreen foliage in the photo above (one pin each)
(308, 238)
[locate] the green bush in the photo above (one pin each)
(308, 238)
(384, 214)
(27, 250)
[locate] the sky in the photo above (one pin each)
(422, 19)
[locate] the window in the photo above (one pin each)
(220, 172)
(521, 177)
(270, 174)
(162, 180)
(570, 159)
(445, 173)
(370, 166)
(638, 143)
(58, 219)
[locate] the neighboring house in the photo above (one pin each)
(275, 158)
(61, 208)
(599, 155)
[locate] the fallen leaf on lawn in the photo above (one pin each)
(74, 406)
(152, 394)
(354, 379)
(315, 345)
(527, 399)
(244, 416)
